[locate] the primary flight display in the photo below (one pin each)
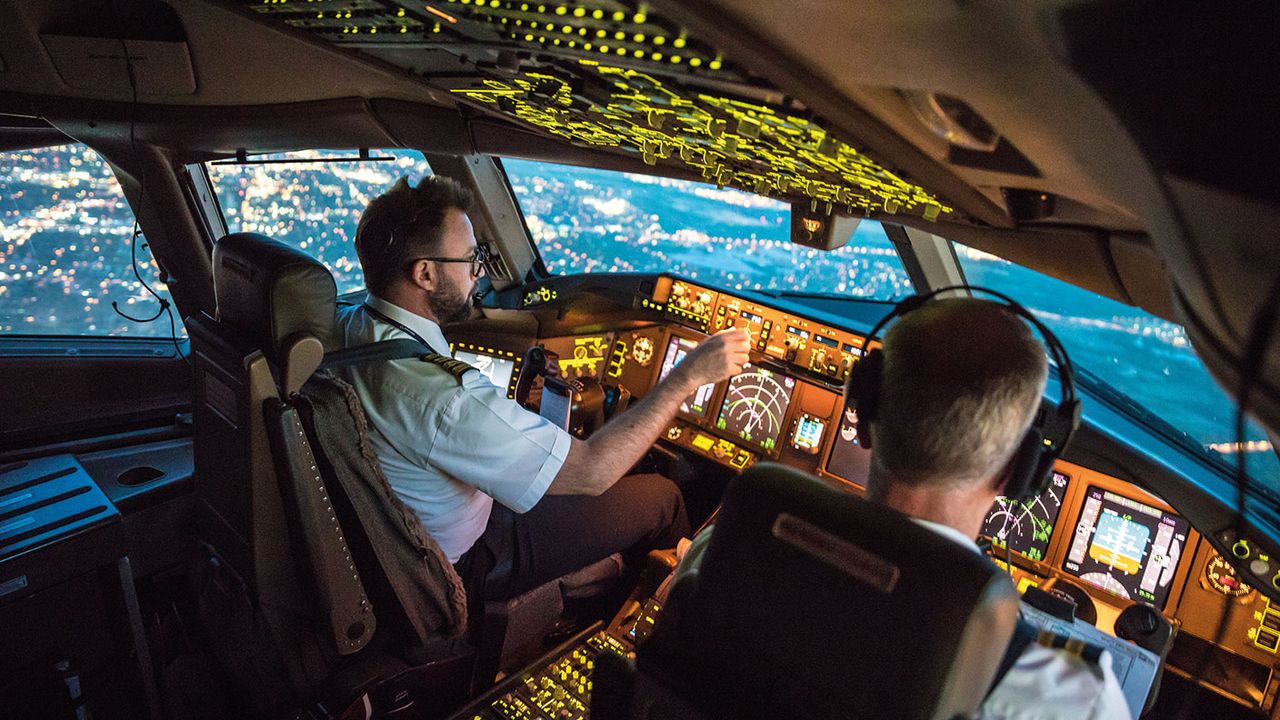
(1126, 547)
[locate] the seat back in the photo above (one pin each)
(267, 511)
(811, 602)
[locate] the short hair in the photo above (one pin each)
(962, 382)
(404, 223)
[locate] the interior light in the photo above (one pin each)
(638, 37)
(566, 29)
(659, 40)
(619, 16)
(675, 59)
(597, 14)
(656, 56)
(640, 17)
(399, 13)
(695, 61)
(715, 64)
(579, 11)
(678, 42)
(560, 9)
(604, 48)
(528, 37)
(639, 53)
(619, 35)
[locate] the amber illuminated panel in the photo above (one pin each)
(729, 142)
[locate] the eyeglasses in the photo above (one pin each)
(478, 258)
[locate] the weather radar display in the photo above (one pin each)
(1126, 547)
(755, 405)
(1026, 527)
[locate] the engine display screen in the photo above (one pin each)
(699, 401)
(1126, 547)
(755, 406)
(849, 460)
(808, 433)
(498, 370)
(1026, 527)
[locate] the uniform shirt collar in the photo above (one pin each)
(428, 329)
(949, 533)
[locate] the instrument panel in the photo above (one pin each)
(1107, 541)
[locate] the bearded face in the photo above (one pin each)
(449, 301)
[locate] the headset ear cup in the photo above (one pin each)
(862, 395)
(1027, 463)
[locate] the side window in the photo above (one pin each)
(67, 249)
(1145, 358)
(312, 203)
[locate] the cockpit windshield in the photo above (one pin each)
(1147, 360)
(587, 220)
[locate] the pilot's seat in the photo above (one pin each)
(811, 602)
(316, 583)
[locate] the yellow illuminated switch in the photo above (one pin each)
(1025, 583)
(740, 460)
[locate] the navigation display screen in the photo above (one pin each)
(755, 406)
(498, 370)
(1126, 547)
(699, 401)
(1026, 527)
(848, 459)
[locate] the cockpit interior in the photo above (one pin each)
(646, 174)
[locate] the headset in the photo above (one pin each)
(1051, 429)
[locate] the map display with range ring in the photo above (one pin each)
(1026, 527)
(755, 406)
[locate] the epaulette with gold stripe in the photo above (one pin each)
(454, 367)
(1085, 651)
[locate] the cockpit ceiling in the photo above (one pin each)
(616, 77)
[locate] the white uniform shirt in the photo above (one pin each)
(1043, 684)
(448, 449)
(1049, 683)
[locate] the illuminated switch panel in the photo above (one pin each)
(723, 451)
(691, 304)
(1267, 634)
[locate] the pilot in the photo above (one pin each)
(962, 381)
(451, 443)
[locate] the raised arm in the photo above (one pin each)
(595, 464)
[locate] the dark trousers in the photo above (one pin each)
(562, 533)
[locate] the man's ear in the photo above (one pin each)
(422, 275)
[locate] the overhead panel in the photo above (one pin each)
(616, 77)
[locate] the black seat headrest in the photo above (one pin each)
(272, 293)
(811, 602)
